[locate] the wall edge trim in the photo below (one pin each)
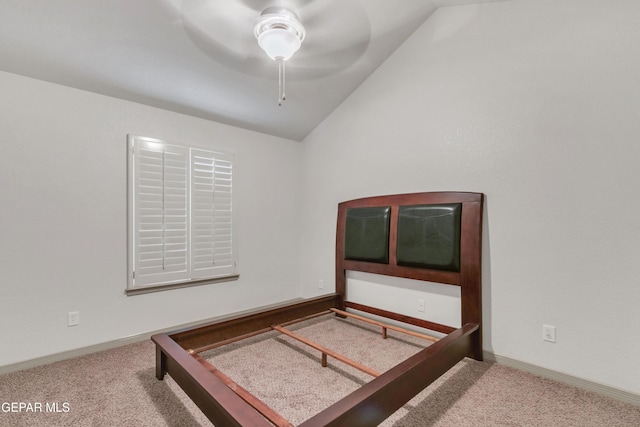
(581, 383)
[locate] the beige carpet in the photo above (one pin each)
(118, 387)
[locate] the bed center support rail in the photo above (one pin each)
(325, 351)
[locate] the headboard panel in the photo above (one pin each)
(366, 236)
(454, 219)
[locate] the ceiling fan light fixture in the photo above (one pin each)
(280, 34)
(278, 43)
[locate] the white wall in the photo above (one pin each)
(63, 219)
(536, 104)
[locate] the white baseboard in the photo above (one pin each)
(614, 393)
(57, 357)
(70, 354)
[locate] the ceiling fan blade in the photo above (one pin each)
(225, 24)
(337, 34)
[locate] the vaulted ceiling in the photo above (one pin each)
(200, 57)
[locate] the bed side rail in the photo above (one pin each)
(375, 401)
(214, 398)
(238, 326)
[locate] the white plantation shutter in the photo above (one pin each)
(180, 214)
(160, 198)
(212, 252)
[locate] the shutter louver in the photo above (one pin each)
(212, 252)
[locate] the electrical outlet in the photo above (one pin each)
(549, 333)
(73, 318)
(421, 305)
(320, 284)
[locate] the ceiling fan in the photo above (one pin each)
(327, 36)
(280, 34)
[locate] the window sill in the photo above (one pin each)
(180, 285)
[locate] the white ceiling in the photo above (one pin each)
(199, 57)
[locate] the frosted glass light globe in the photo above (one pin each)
(279, 43)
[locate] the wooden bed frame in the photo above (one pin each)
(227, 404)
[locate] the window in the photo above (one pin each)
(180, 224)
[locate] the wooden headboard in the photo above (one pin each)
(435, 237)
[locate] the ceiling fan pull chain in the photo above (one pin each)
(281, 95)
